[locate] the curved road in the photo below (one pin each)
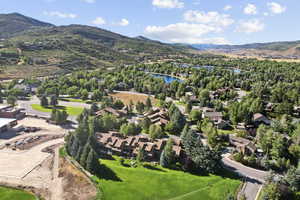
(254, 178)
(26, 104)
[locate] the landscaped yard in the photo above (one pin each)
(13, 194)
(70, 110)
(157, 183)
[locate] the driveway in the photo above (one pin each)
(254, 178)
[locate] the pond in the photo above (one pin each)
(237, 71)
(167, 78)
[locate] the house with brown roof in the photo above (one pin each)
(130, 146)
(213, 116)
(242, 145)
(158, 116)
(259, 118)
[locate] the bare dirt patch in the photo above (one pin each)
(126, 97)
(75, 184)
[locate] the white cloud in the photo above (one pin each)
(276, 8)
(184, 33)
(99, 21)
(60, 14)
(250, 26)
(227, 7)
(89, 1)
(123, 22)
(250, 9)
(211, 18)
(266, 14)
(168, 3)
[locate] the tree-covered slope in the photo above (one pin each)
(14, 23)
(75, 46)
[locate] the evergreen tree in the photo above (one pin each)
(146, 123)
(188, 107)
(148, 103)
(184, 132)
(78, 154)
(94, 108)
(74, 148)
(141, 155)
(53, 115)
(92, 162)
(140, 107)
(11, 100)
(64, 116)
(44, 101)
(84, 155)
(167, 157)
(202, 156)
(83, 132)
(118, 104)
(53, 100)
(155, 132)
(69, 143)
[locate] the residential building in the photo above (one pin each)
(117, 144)
(6, 123)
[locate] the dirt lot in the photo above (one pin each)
(35, 164)
(82, 190)
(134, 97)
(32, 166)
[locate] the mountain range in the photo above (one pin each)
(284, 49)
(28, 42)
(32, 47)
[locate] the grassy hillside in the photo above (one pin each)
(11, 24)
(10, 194)
(279, 49)
(65, 48)
(156, 183)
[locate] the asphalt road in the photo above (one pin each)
(254, 178)
(26, 104)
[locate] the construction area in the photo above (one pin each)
(29, 159)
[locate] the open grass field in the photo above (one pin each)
(126, 97)
(156, 183)
(72, 100)
(13, 194)
(70, 110)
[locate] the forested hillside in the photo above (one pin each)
(30, 43)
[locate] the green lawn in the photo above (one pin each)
(226, 132)
(13, 194)
(72, 100)
(70, 110)
(126, 183)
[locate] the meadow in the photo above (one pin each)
(74, 111)
(157, 183)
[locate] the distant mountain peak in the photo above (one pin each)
(13, 23)
(140, 37)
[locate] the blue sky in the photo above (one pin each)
(183, 21)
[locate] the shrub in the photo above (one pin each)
(239, 157)
(121, 161)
